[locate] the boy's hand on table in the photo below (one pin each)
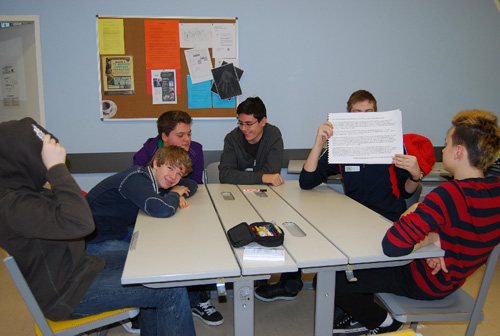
(183, 203)
(274, 179)
(181, 190)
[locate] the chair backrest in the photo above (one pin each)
(212, 173)
(459, 306)
(26, 293)
(483, 290)
(63, 328)
(415, 197)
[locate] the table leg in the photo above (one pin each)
(244, 307)
(325, 302)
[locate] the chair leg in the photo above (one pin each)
(414, 325)
(104, 332)
(99, 332)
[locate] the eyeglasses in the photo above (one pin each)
(247, 124)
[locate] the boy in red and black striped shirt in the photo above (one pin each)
(461, 216)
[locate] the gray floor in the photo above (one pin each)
(275, 318)
(296, 318)
(279, 318)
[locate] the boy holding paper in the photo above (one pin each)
(381, 187)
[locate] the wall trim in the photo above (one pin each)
(113, 162)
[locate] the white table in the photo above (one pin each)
(191, 245)
(189, 248)
(356, 230)
(353, 228)
(312, 252)
(231, 213)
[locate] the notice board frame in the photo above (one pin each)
(140, 104)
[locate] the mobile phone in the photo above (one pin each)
(39, 133)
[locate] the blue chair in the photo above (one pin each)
(459, 306)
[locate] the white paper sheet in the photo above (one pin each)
(195, 35)
(199, 64)
(163, 86)
(224, 40)
(365, 137)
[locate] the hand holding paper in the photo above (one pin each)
(325, 132)
(408, 163)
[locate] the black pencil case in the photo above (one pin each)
(264, 233)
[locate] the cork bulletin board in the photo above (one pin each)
(129, 94)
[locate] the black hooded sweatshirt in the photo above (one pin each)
(43, 229)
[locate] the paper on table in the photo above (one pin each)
(368, 137)
(262, 253)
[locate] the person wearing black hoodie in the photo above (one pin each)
(44, 228)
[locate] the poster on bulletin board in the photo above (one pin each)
(148, 66)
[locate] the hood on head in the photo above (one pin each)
(21, 164)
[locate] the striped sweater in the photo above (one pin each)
(466, 214)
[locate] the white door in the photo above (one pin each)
(21, 87)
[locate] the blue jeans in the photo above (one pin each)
(163, 311)
(197, 294)
(108, 245)
(111, 245)
(292, 281)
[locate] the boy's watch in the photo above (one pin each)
(419, 179)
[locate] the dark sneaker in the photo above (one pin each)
(395, 326)
(206, 312)
(269, 293)
(338, 314)
(345, 325)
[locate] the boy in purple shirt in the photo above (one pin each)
(174, 129)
